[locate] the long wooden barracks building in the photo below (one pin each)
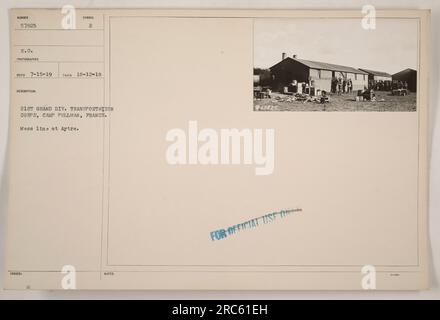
(290, 69)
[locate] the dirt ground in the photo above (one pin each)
(345, 102)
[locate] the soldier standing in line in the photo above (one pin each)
(339, 86)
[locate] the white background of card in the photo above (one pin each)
(354, 4)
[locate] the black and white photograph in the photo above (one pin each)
(335, 65)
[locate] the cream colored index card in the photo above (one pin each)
(218, 149)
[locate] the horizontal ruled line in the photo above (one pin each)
(85, 78)
(32, 61)
(58, 45)
(30, 29)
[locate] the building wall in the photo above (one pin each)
(380, 78)
(323, 84)
(322, 79)
(409, 76)
(351, 76)
(359, 81)
(286, 71)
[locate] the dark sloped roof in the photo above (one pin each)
(408, 70)
(324, 66)
(376, 73)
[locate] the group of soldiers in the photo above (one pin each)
(387, 85)
(341, 85)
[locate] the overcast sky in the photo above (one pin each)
(392, 47)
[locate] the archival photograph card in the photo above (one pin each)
(218, 150)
